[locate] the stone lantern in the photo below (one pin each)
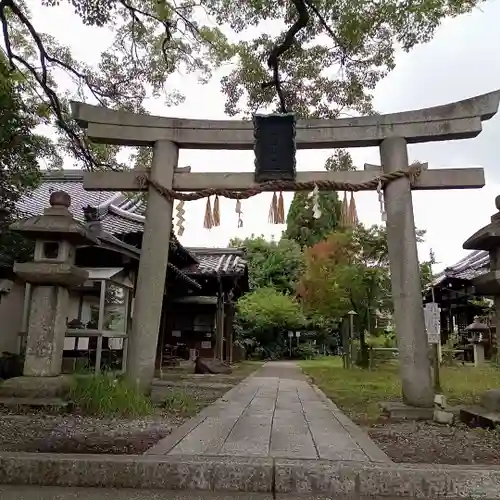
(488, 238)
(476, 335)
(51, 273)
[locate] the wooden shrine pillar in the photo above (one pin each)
(228, 330)
(219, 325)
(152, 273)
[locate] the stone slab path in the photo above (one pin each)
(274, 413)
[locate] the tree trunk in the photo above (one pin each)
(363, 358)
(363, 355)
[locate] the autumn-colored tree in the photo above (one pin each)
(350, 270)
(344, 272)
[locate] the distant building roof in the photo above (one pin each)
(474, 264)
(120, 214)
(217, 261)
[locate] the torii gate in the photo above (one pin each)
(391, 132)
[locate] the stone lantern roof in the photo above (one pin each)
(55, 223)
(488, 237)
(477, 326)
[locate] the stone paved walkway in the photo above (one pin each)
(274, 413)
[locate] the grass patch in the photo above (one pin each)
(358, 392)
(180, 402)
(105, 395)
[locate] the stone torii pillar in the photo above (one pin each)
(391, 132)
(143, 341)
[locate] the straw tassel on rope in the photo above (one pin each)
(353, 213)
(273, 209)
(344, 212)
(277, 209)
(281, 209)
(208, 222)
(216, 212)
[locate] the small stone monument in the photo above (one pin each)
(477, 330)
(51, 273)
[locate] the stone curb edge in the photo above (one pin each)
(371, 450)
(259, 475)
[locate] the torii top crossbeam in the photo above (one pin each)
(459, 120)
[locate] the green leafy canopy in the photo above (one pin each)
(332, 66)
(276, 264)
(21, 152)
(266, 309)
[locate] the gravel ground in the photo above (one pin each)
(427, 442)
(185, 393)
(72, 433)
(79, 434)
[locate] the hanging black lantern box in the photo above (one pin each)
(274, 147)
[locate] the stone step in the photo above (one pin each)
(478, 416)
(197, 476)
(59, 493)
(47, 404)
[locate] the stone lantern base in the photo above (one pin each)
(396, 410)
(36, 387)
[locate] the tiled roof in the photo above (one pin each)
(120, 214)
(474, 264)
(107, 203)
(110, 240)
(217, 261)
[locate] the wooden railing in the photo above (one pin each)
(395, 350)
(100, 334)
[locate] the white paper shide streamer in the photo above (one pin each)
(381, 201)
(239, 211)
(314, 197)
(180, 218)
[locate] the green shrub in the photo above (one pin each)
(305, 351)
(179, 401)
(106, 395)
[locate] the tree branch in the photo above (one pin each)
(280, 49)
(101, 89)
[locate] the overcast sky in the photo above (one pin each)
(460, 62)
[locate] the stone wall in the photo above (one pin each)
(11, 313)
